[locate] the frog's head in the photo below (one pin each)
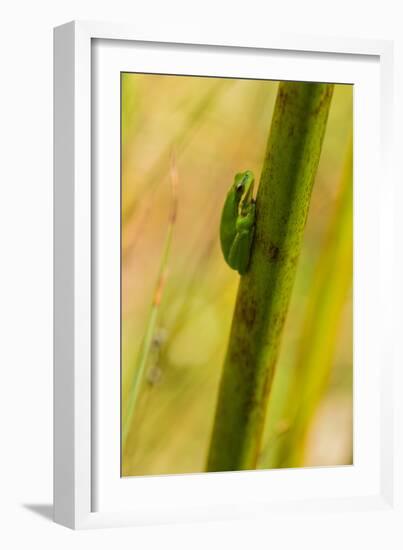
(243, 184)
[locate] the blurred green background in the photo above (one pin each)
(214, 128)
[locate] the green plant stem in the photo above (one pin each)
(289, 169)
(315, 352)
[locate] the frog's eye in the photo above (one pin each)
(239, 187)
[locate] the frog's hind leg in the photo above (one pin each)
(239, 254)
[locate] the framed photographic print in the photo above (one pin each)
(221, 220)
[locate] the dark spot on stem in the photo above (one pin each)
(248, 312)
(273, 252)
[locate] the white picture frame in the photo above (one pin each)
(87, 488)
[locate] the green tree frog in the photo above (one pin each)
(238, 222)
